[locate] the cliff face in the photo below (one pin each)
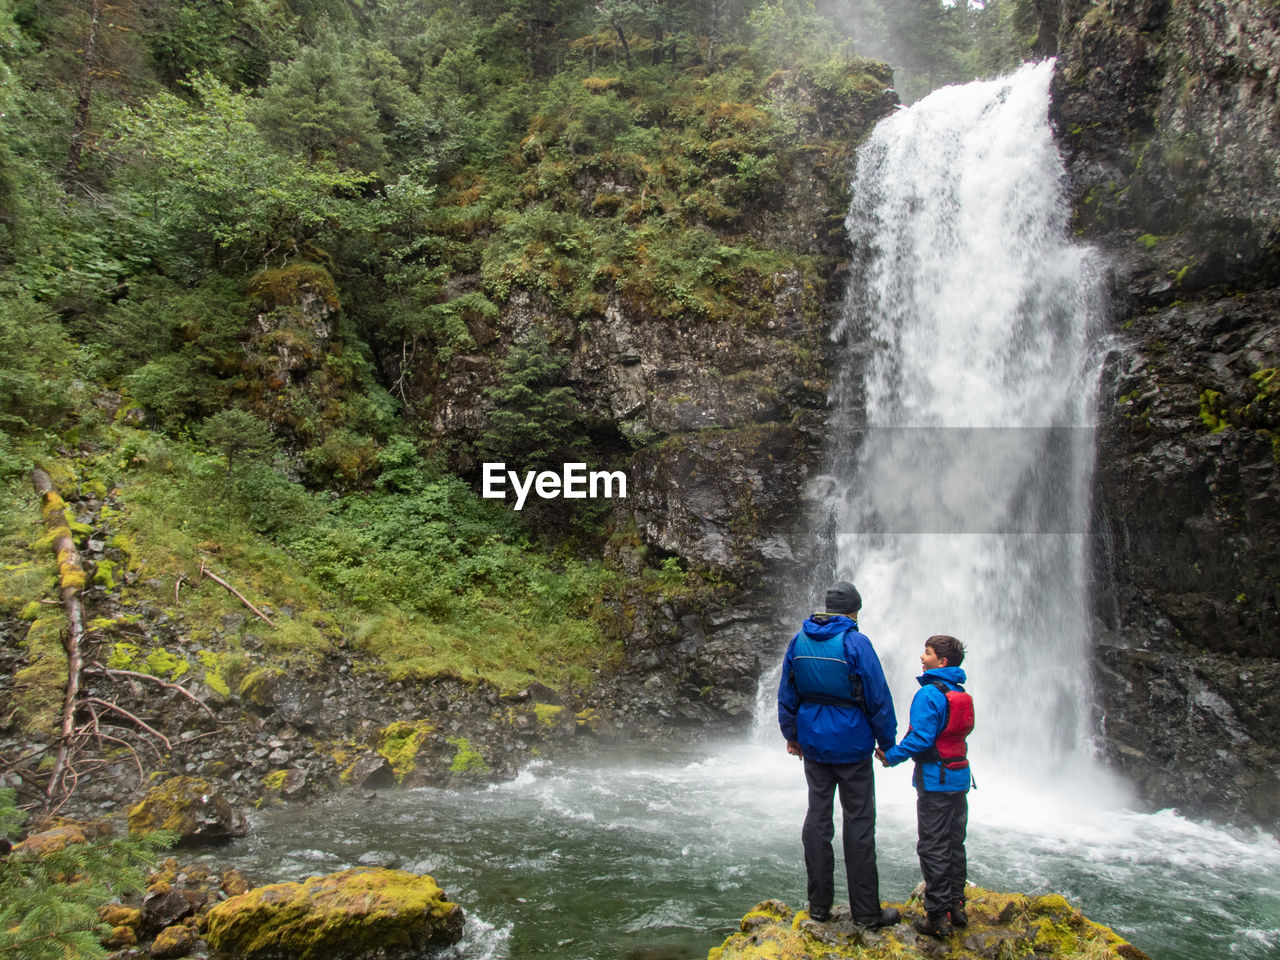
(1166, 111)
(716, 419)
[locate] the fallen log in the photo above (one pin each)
(71, 580)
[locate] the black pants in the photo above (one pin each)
(858, 832)
(941, 821)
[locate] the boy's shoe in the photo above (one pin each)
(934, 925)
(886, 918)
(958, 916)
(820, 914)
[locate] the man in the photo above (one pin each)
(833, 708)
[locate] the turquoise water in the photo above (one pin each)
(658, 853)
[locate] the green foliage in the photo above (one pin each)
(321, 105)
(35, 367)
(235, 41)
(534, 422)
(238, 435)
(49, 902)
(214, 183)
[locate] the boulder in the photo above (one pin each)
(1000, 925)
(173, 942)
(190, 808)
(343, 915)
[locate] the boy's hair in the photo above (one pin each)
(947, 648)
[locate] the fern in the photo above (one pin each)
(49, 903)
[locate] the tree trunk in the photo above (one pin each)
(81, 124)
(71, 578)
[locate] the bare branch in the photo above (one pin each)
(112, 672)
(206, 572)
(136, 719)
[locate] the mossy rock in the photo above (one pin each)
(1000, 925)
(189, 808)
(356, 913)
(294, 286)
(259, 687)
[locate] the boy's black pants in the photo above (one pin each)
(942, 819)
(856, 784)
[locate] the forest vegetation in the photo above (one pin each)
(175, 177)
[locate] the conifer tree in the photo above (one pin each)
(49, 902)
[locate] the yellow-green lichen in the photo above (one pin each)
(1000, 925)
(468, 759)
(547, 713)
(258, 688)
(400, 742)
(353, 913)
(213, 675)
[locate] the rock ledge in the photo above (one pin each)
(1000, 925)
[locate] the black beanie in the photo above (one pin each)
(843, 597)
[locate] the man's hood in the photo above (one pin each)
(823, 625)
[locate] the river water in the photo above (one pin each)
(957, 491)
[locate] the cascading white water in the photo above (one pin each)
(961, 449)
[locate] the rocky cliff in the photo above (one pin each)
(716, 416)
(1166, 111)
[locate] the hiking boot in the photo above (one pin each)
(820, 914)
(886, 918)
(934, 925)
(958, 916)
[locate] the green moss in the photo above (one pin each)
(286, 287)
(467, 759)
(213, 676)
(1000, 925)
(162, 663)
(104, 576)
(356, 912)
(181, 806)
(1213, 411)
(400, 742)
(258, 688)
(275, 779)
(547, 713)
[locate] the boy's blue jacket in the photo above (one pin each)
(928, 716)
(838, 733)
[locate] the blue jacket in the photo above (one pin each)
(838, 732)
(928, 717)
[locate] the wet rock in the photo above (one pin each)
(372, 772)
(192, 809)
(1171, 154)
(1000, 925)
(164, 907)
(343, 915)
(173, 942)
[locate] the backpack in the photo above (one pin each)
(949, 747)
(820, 677)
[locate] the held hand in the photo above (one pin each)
(793, 748)
(884, 761)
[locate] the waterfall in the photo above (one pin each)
(961, 449)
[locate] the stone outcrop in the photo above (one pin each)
(190, 808)
(355, 913)
(1000, 925)
(1165, 112)
(718, 421)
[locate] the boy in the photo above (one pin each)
(941, 718)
